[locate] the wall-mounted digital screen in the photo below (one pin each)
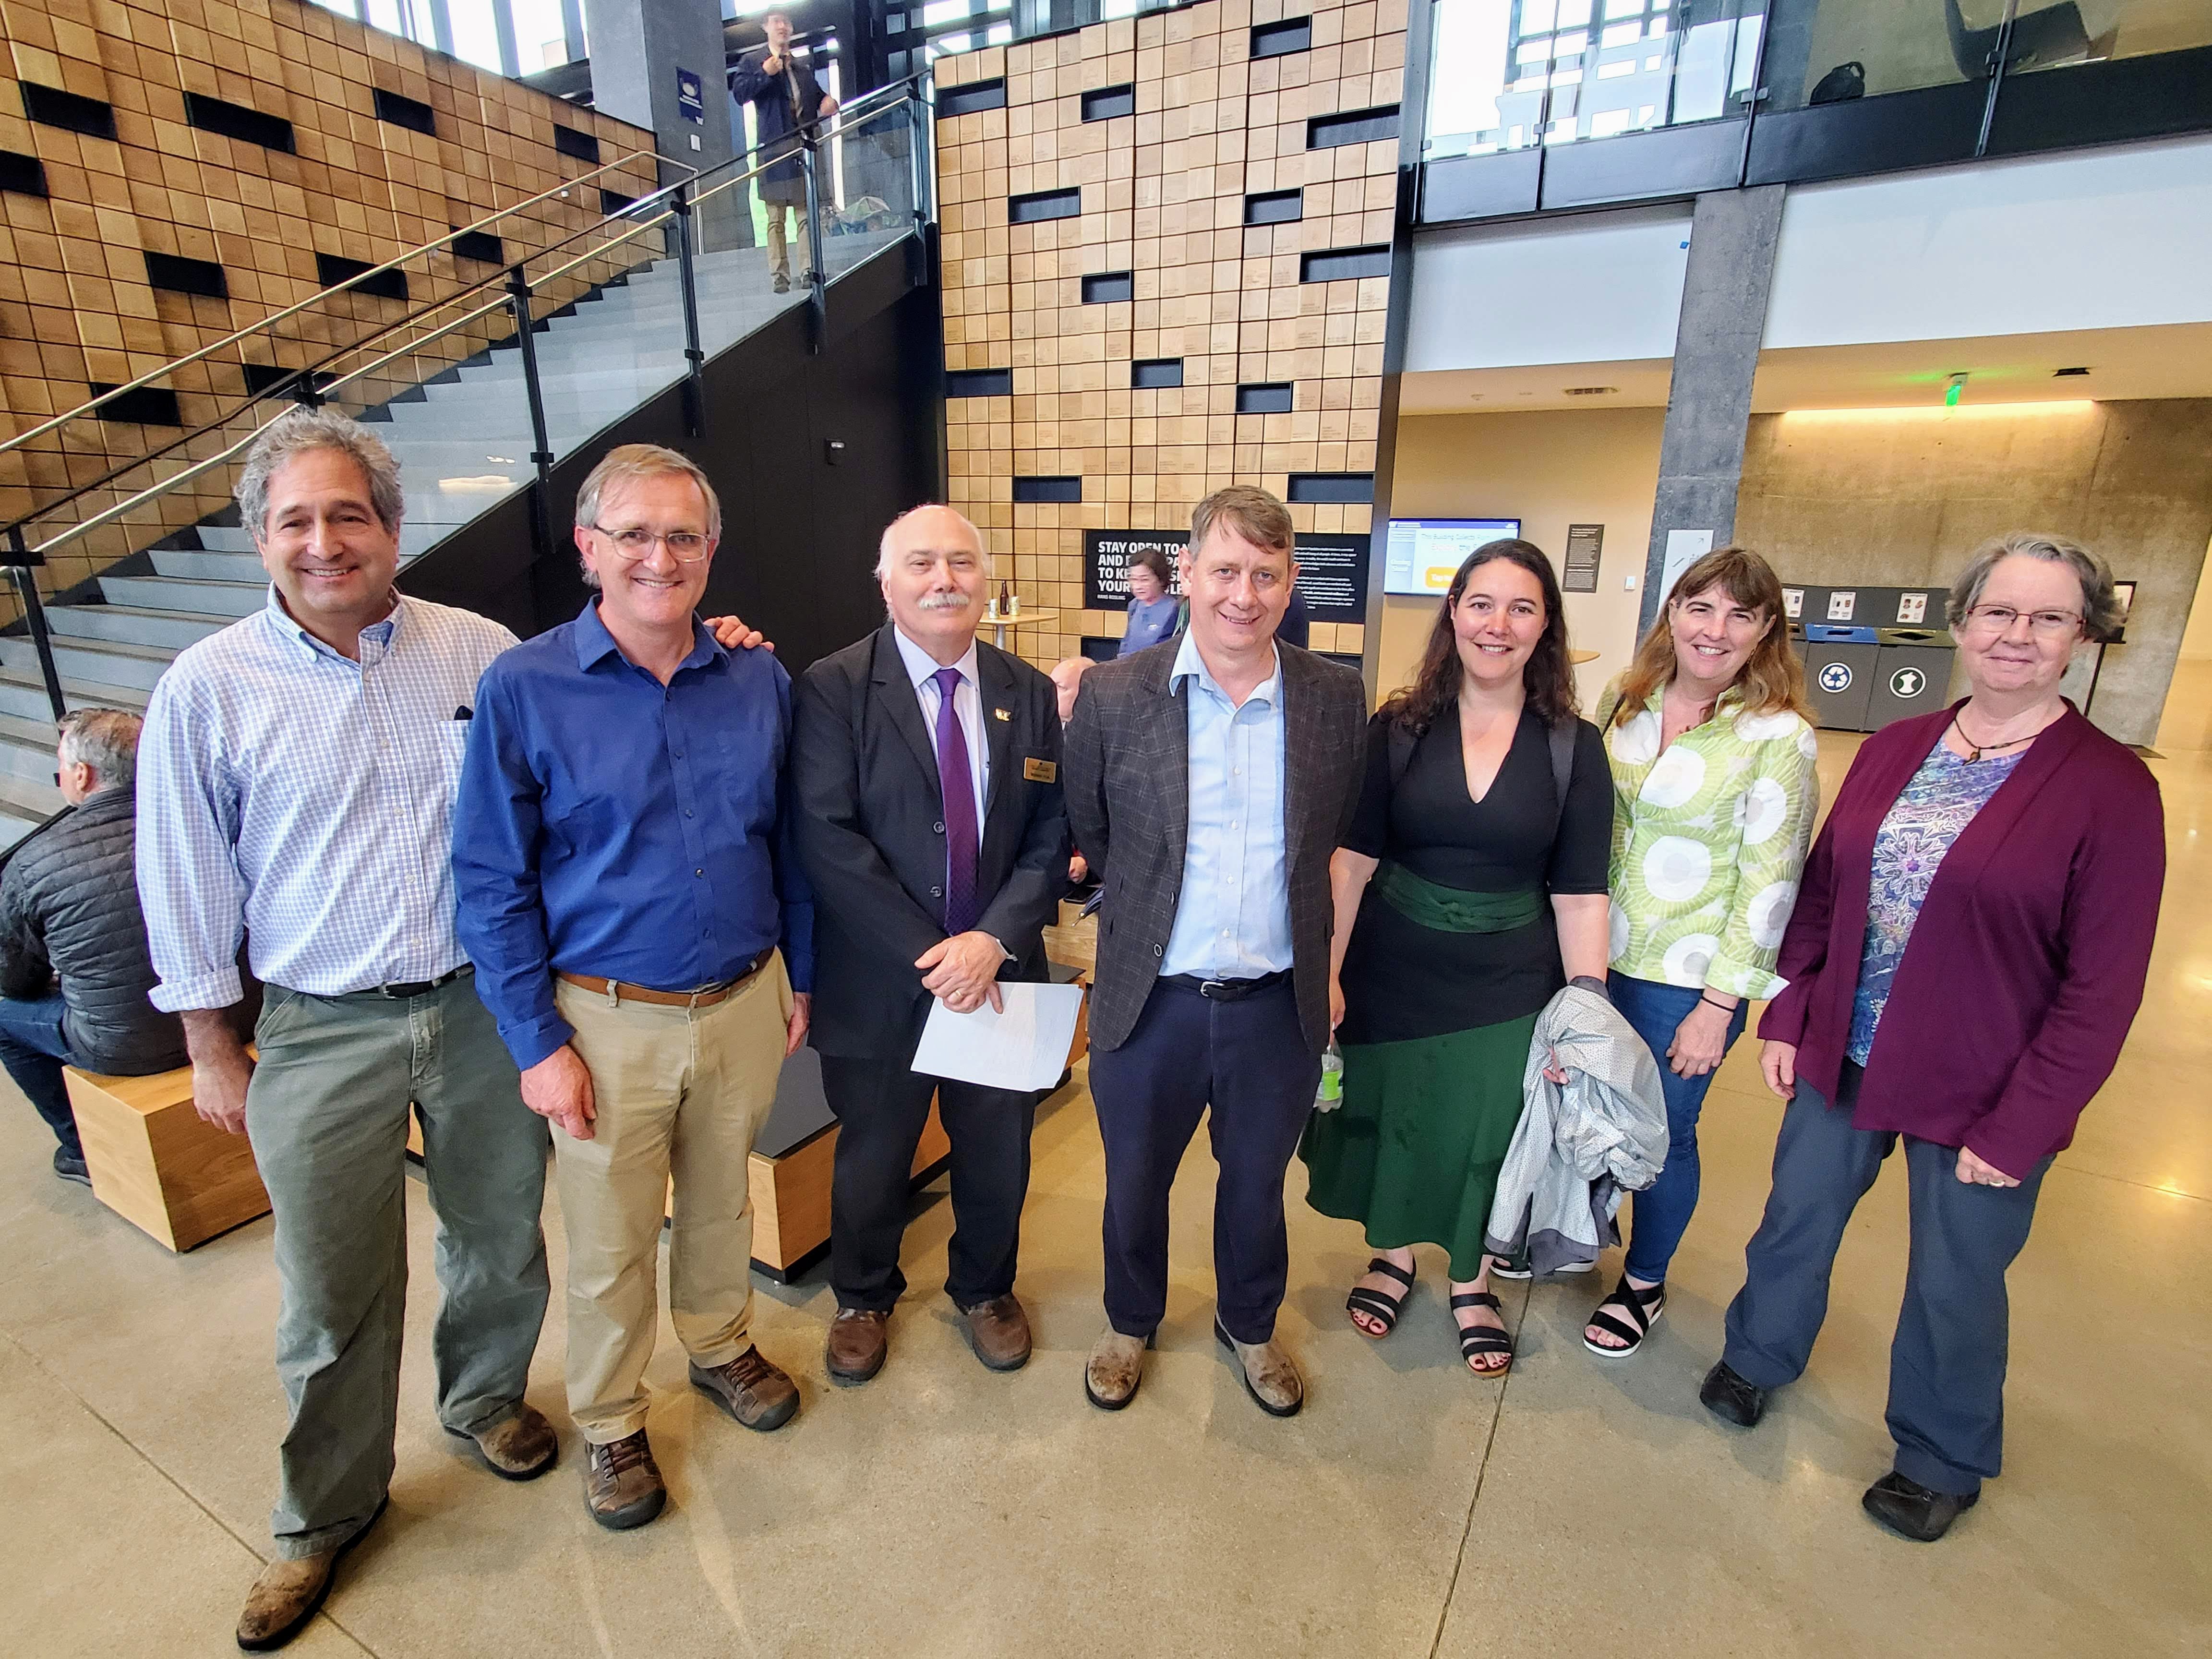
(1422, 554)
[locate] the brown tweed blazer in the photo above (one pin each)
(1128, 802)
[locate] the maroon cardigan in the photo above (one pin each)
(2028, 961)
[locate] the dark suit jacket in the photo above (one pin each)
(871, 835)
(1128, 802)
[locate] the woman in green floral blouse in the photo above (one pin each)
(1714, 795)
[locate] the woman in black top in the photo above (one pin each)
(1467, 892)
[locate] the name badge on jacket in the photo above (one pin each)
(1040, 771)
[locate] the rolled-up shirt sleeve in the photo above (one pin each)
(190, 887)
(501, 909)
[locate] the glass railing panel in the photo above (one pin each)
(1829, 52)
(2062, 35)
(865, 175)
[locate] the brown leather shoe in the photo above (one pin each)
(999, 1331)
(519, 1447)
(288, 1594)
(623, 1488)
(1270, 1376)
(1114, 1369)
(750, 1389)
(859, 1340)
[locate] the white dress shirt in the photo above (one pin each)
(307, 800)
(967, 708)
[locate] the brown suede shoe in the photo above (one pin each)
(999, 1331)
(859, 1340)
(520, 1447)
(750, 1389)
(1114, 1369)
(623, 1488)
(288, 1594)
(1270, 1377)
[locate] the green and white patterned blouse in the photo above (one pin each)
(1709, 840)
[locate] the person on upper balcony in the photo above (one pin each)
(789, 104)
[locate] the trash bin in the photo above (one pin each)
(1912, 673)
(1839, 671)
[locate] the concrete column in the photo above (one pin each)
(1732, 238)
(637, 47)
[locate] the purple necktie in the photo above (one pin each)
(959, 785)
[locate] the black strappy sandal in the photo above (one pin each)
(1476, 1340)
(1642, 1308)
(1379, 1304)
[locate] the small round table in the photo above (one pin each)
(1578, 658)
(999, 625)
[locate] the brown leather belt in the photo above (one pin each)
(622, 991)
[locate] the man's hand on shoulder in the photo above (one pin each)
(558, 1088)
(963, 971)
(732, 635)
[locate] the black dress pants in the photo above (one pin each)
(881, 1106)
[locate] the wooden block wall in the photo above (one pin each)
(1163, 197)
(76, 306)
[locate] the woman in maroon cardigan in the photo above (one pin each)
(1968, 949)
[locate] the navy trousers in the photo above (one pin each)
(1249, 1060)
(1946, 1364)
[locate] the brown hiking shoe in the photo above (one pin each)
(1114, 1369)
(999, 1331)
(520, 1447)
(859, 1340)
(623, 1488)
(1271, 1377)
(750, 1389)
(288, 1594)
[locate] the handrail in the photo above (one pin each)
(320, 295)
(846, 118)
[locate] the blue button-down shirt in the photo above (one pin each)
(1233, 917)
(612, 826)
(304, 800)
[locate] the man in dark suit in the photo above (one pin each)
(927, 769)
(1209, 780)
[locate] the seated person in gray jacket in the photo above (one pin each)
(73, 971)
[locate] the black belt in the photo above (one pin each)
(416, 987)
(1228, 990)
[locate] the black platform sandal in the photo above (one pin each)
(1642, 1308)
(1476, 1340)
(1379, 1304)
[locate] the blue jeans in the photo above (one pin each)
(32, 1050)
(1663, 1210)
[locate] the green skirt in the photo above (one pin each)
(1413, 1153)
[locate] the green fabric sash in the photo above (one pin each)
(1453, 909)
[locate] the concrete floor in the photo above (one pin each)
(1411, 1509)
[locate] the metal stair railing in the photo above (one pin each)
(399, 358)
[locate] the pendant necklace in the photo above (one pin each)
(1982, 749)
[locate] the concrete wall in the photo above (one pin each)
(1886, 499)
(1549, 470)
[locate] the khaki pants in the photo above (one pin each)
(678, 1091)
(778, 258)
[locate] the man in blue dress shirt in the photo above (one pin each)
(643, 938)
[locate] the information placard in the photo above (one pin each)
(1585, 542)
(1332, 570)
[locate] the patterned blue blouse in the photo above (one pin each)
(1931, 813)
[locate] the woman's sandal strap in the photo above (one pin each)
(1382, 1264)
(1477, 1299)
(1375, 1304)
(1629, 1335)
(1642, 1306)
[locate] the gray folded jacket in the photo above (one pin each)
(1581, 1143)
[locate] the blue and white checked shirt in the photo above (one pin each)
(308, 800)
(1233, 914)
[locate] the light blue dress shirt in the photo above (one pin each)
(1233, 917)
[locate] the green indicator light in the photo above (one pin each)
(1951, 395)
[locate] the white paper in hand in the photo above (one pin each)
(1024, 1047)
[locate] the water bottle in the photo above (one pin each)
(1330, 1095)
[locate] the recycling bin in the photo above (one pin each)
(1912, 673)
(1840, 674)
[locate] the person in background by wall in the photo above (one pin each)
(1469, 889)
(1966, 955)
(1715, 790)
(926, 764)
(74, 968)
(788, 105)
(297, 776)
(1153, 609)
(1208, 781)
(629, 890)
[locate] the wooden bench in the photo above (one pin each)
(157, 1163)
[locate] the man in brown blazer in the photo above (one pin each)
(1209, 779)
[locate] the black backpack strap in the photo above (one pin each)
(1563, 737)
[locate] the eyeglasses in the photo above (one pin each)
(1999, 619)
(686, 546)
